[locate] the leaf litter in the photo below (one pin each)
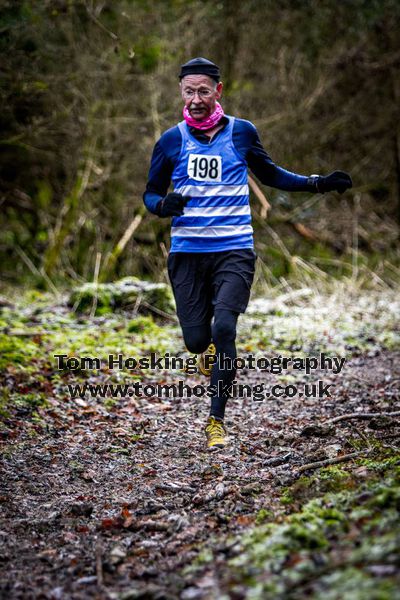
(118, 498)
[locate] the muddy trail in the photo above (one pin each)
(119, 498)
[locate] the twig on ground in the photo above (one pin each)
(160, 312)
(361, 434)
(172, 487)
(99, 564)
(277, 460)
(329, 461)
(390, 436)
(25, 333)
(391, 447)
(364, 416)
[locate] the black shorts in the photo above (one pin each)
(204, 281)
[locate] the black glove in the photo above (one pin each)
(172, 205)
(338, 181)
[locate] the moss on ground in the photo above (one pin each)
(16, 351)
(104, 298)
(36, 329)
(341, 545)
(328, 479)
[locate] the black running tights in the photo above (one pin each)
(223, 334)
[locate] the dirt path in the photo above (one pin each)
(116, 502)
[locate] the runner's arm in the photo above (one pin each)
(270, 174)
(263, 167)
(159, 179)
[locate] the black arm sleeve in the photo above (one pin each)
(263, 167)
(159, 178)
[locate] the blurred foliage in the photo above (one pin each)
(87, 86)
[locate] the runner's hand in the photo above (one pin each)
(172, 205)
(338, 181)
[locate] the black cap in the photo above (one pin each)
(200, 66)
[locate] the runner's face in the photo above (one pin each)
(200, 107)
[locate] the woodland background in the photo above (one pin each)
(87, 87)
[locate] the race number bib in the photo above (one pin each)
(204, 168)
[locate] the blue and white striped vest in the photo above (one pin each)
(215, 177)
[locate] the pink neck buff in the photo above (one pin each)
(211, 121)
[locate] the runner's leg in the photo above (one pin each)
(224, 335)
(233, 273)
(190, 281)
(197, 337)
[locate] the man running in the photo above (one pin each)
(212, 259)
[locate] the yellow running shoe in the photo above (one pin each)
(216, 433)
(201, 362)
